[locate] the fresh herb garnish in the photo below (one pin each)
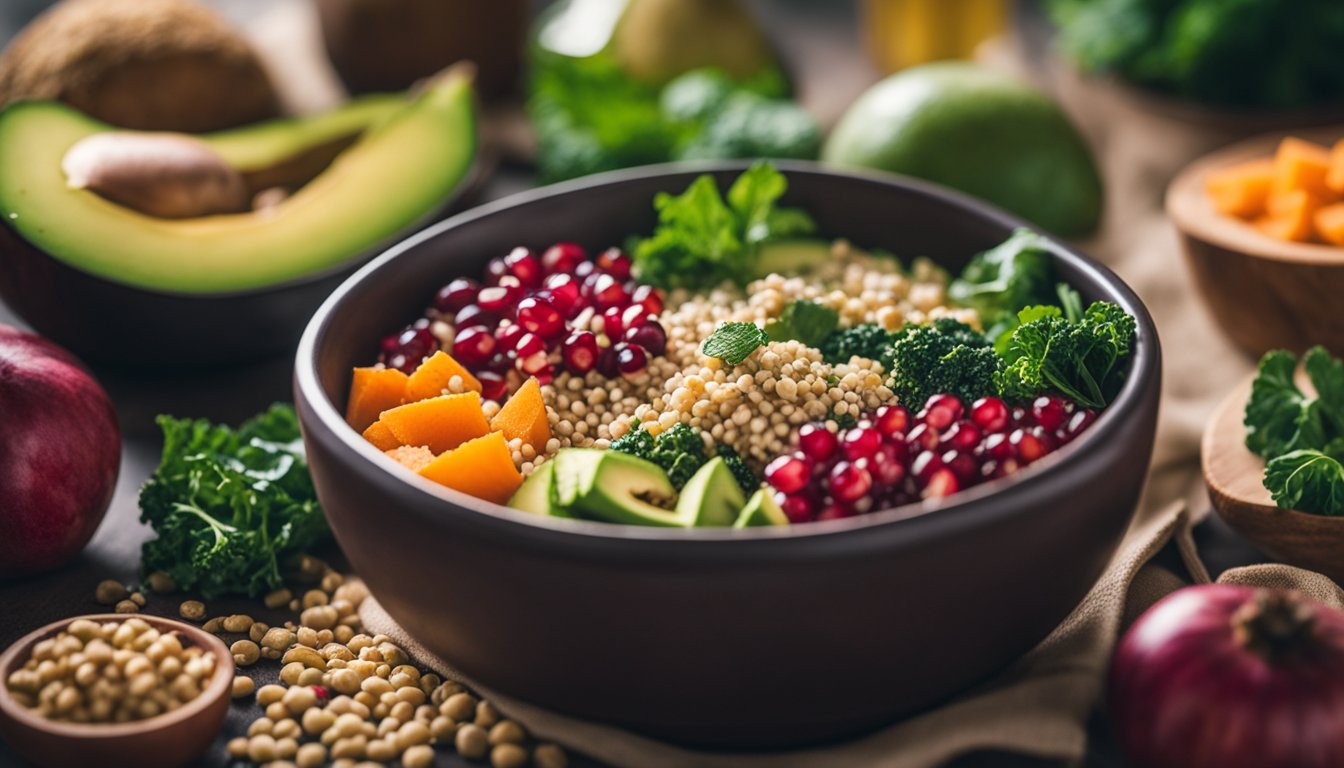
(1017, 273)
(734, 342)
(807, 321)
(702, 240)
(1078, 358)
(1301, 436)
(230, 508)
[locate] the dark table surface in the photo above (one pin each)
(830, 68)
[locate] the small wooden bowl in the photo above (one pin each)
(1235, 477)
(168, 740)
(1265, 293)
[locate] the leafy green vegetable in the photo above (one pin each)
(702, 240)
(750, 125)
(680, 450)
(998, 283)
(1308, 480)
(807, 321)
(230, 508)
(1270, 53)
(946, 356)
(844, 420)
(1081, 359)
(734, 342)
(867, 340)
(746, 479)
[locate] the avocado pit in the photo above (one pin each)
(168, 175)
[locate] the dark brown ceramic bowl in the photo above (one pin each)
(166, 741)
(1265, 293)
(744, 638)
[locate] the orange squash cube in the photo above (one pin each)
(1329, 223)
(1302, 165)
(1290, 216)
(1241, 190)
(381, 437)
(372, 391)
(482, 468)
(440, 423)
(1335, 178)
(432, 377)
(412, 457)
(524, 416)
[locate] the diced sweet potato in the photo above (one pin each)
(412, 457)
(372, 391)
(1241, 190)
(524, 415)
(482, 468)
(381, 437)
(1329, 222)
(1289, 216)
(1335, 178)
(433, 375)
(1301, 165)
(440, 423)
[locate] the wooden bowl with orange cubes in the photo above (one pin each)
(1262, 226)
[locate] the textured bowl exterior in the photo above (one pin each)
(716, 637)
(166, 741)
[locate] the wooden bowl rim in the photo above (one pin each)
(1192, 212)
(220, 684)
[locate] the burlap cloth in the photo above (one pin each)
(1040, 706)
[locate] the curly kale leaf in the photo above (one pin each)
(230, 508)
(1082, 359)
(1017, 273)
(1308, 480)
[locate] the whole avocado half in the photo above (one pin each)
(977, 131)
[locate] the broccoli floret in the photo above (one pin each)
(682, 438)
(741, 472)
(944, 357)
(680, 451)
(869, 341)
(844, 420)
(637, 442)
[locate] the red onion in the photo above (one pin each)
(1223, 676)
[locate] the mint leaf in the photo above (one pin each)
(734, 342)
(806, 321)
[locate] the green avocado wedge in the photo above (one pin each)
(761, 509)
(396, 173)
(534, 495)
(712, 497)
(615, 487)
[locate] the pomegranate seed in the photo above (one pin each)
(797, 507)
(584, 270)
(471, 316)
(544, 374)
(924, 465)
(649, 335)
(608, 292)
(527, 345)
(579, 352)
(817, 442)
(962, 436)
(563, 292)
(606, 363)
(500, 299)
(1019, 415)
(499, 362)
(633, 315)
(888, 465)
(631, 359)
(893, 421)
(1049, 412)
(650, 298)
(923, 437)
(413, 344)
(1078, 422)
(849, 481)
(990, 414)
(787, 474)
(1029, 446)
(320, 691)
(945, 402)
(941, 483)
(402, 363)
(508, 336)
(614, 262)
(456, 295)
(962, 464)
(524, 265)
(995, 469)
(996, 447)
(495, 270)
(539, 317)
(861, 442)
(835, 511)
(473, 345)
(611, 323)
(563, 258)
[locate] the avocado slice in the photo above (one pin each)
(396, 173)
(614, 488)
(711, 497)
(761, 509)
(572, 467)
(534, 495)
(788, 257)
